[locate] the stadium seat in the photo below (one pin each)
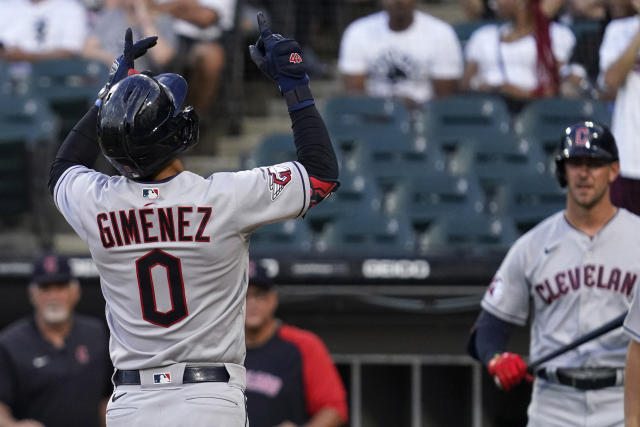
(430, 195)
(532, 198)
(391, 159)
(288, 237)
(476, 116)
(542, 122)
(26, 118)
(343, 114)
(70, 86)
(27, 135)
(467, 231)
(273, 149)
(367, 234)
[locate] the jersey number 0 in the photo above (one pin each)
(173, 269)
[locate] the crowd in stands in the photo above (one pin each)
(518, 50)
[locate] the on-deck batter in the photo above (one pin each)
(571, 273)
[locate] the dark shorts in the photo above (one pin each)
(625, 193)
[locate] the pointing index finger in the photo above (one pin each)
(265, 31)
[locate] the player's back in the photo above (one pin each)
(172, 257)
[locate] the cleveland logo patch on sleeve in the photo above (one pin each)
(279, 177)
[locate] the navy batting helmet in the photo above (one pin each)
(142, 125)
(585, 139)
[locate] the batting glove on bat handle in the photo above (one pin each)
(122, 66)
(508, 370)
(281, 60)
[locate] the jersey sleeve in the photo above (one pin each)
(323, 387)
(350, 57)
(71, 190)
(448, 55)
(507, 296)
(269, 194)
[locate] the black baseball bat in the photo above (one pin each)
(609, 326)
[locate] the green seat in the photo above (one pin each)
(272, 150)
(367, 234)
(344, 114)
(468, 231)
(70, 86)
(428, 196)
(532, 198)
(288, 237)
(26, 118)
(391, 159)
(543, 122)
(452, 119)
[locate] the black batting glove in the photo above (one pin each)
(123, 64)
(280, 59)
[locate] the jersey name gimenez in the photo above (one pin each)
(173, 255)
(571, 284)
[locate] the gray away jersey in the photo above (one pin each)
(173, 255)
(571, 284)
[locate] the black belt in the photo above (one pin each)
(584, 378)
(192, 374)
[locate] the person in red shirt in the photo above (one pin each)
(291, 379)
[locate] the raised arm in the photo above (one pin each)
(80, 147)
(281, 59)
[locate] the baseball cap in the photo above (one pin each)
(51, 268)
(258, 276)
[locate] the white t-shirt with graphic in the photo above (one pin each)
(39, 27)
(401, 63)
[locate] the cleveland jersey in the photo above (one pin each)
(571, 284)
(173, 255)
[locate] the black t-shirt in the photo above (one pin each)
(58, 387)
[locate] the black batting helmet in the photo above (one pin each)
(142, 125)
(585, 139)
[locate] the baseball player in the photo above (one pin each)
(171, 247)
(573, 272)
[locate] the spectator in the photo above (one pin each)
(200, 25)
(291, 379)
(585, 59)
(520, 59)
(400, 52)
(33, 30)
(105, 40)
(620, 75)
(54, 365)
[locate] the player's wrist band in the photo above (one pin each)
(298, 98)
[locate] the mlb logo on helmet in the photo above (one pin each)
(295, 58)
(150, 193)
(162, 378)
